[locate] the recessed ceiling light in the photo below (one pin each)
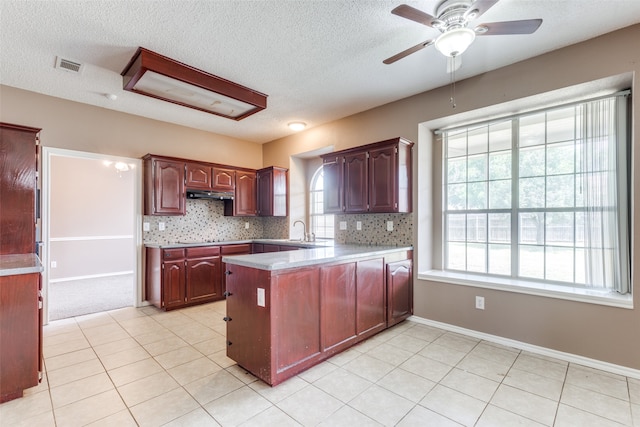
(297, 126)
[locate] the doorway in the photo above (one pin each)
(91, 233)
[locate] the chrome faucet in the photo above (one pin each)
(304, 229)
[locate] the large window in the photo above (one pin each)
(541, 196)
(321, 224)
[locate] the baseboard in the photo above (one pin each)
(567, 357)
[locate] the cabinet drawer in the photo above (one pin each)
(172, 253)
(236, 249)
(203, 251)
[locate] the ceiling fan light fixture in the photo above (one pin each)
(455, 42)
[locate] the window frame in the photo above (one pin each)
(314, 193)
(518, 283)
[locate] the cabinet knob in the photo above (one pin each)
(228, 273)
(226, 319)
(227, 294)
(229, 342)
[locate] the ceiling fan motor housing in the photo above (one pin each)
(452, 14)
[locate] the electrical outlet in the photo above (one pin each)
(146, 226)
(389, 225)
(358, 225)
(480, 303)
(54, 264)
(246, 225)
(343, 225)
(161, 226)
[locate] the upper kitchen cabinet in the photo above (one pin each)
(223, 179)
(272, 191)
(18, 169)
(198, 176)
(164, 181)
(245, 200)
(203, 176)
(374, 178)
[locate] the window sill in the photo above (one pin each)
(531, 288)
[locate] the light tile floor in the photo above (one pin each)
(146, 367)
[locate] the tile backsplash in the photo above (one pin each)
(374, 229)
(205, 221)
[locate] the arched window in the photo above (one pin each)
(321, 224)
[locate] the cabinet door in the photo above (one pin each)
(203, 279)
(355, 183)
(168, 188)
(332, 169)
(245, 199)
(17, 189)
(223, 179)
(265, 192)
(371, 296)
(198, 176)
(399, 291)
(173, 284)
(338, 284)
(383, 179)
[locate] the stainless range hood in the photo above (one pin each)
(214, 195)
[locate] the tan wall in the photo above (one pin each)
(75, 126)
(599, 332)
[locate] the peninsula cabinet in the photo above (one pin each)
(374, 178)
(181, 277)
(283, 321)
(164, 181)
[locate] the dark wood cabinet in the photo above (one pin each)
(164, 186)
(198, 176)
(20, 334)
(18, 160)
(245, 201)
(399, 291)
(179, 277)
(356, 197)
(332, 170)
(272, 191)
(236, 249)
(203, 274)
(223, 179)
(374, 178)
(281, 322)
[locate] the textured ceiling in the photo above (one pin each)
(317, 60)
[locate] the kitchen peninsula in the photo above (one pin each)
(288, 311)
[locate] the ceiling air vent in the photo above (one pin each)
(68, 65)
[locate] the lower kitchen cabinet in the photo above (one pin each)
(20, 334)
(399, 291)
(180, 277)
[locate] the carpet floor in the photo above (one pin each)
(78, 297)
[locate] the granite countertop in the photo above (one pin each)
(313, 256)
(13, 265)
(284, 242)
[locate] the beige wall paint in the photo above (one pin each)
(75, 126)
(604, 333)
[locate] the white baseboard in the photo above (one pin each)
(567, 357)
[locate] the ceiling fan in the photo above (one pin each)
(452, 18)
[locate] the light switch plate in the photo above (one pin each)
(389, 225)
(343, 225)
(161, 226)
(146, 226)
(358, 225)
(246, 225)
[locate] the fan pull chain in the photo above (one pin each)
(452, 66)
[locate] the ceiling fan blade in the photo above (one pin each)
(407, 52)
(413, 14)
(478, 8)
(526, 26)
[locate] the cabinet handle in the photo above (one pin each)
(229, 343)
(227, 294)
(228, 273)
(226, 319)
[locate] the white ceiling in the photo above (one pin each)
(318, 60)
